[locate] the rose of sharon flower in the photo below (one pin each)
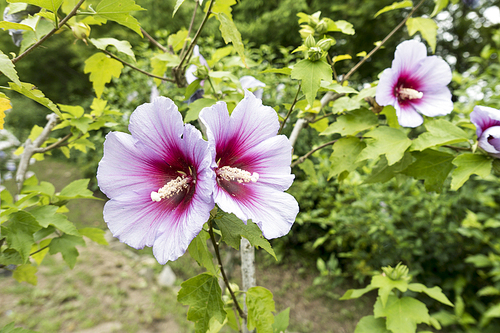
(252, 164)
(159, 180)
(487, 121)
(415, 84)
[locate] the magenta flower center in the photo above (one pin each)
(406, 90)
(173, 187)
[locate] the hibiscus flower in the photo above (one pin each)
(487, 121)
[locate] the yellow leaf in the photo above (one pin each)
(4, 106)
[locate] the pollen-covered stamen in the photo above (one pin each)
(241, 176)
(171, 188)
(409, 93)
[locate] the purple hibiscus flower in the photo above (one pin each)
(252, 164)
(415, 84)
(487, 121)
(159, 180)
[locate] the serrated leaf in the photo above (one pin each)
(432, 166)
(402, 315)
(30, 91)
(311, 73)
(370, 324)
(94, 234)
(338, 88)
(26, 273)
(387, 141)
(178, 3)
(204, 297)
(352, 123)
(43, 27)
(76, 189)
(122, 46)
(42, 249)
(260, 306)
(19, 232)
(390, 114)
(439, 132)
(195, 108)
(231, 34)
(356, 293)
(52, 5)
(47, 215)
(232, 229)
(119, 11)
(467, 165)
(427, 28)
(382, 172)
(345, 154)
(344, 27)
(4, 106)
(8, 68)
(178, 39)
(281, 321)
(434, 292)
(385, 286)
(198, 249)
(10, 257)
(102, 68)
(440, 4)
(395, 5)
(308, 167)
(66, 244)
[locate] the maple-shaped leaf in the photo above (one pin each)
(102, 68)
(119, 11)
(311, 73)
(385, 140)
(52, 5)
(467, 165)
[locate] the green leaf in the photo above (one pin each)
(8, 69)
(390, 114)
(320, 125)
(385, 140)
(260, 306)
(427, 28)
(345, 154)
(231, 34)
(281, 321)
(10, 257)
(382, 172)
(94, 234)
(196, 107)
(352, 123)
(52, 5)
(439, 132)
(43, 27)
(122, 46)
(102, 68)
(119, 11)
(12, 25)
(204, 297)
(434, 292)
(493, 312)
(308, 167)
(385, 286)
(344, 27)
(47, 215)
(432, 166)
(395, 5)
(402, 315)
(42, 249)
(356, 293)
(82, 123)
(19, 232)
(76, 189)
(177, 5)
(338, 88)
(370, 324)
(66, 244)
(30, 91)
(26, 273)
(467, 165)
(198, 249)
(285, 70)
(440, 4)
(311, 73)
(233, 229)
(178, 39)
(11, 329)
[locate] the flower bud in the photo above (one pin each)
(201, 72)
(325, 44)
(310, 41)
(313, 21)
(80, 30)
(322, 27)
(314, 53)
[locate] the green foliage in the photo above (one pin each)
(311, 73)
(10, 328)
(8, 69)
(120, 12)
(395, 5)
(102, 68)
(260, 305)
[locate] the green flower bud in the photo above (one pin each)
(201, 72)
(322, 27)
(313, 21)
(314, 53)
(81, 30)
(310, 41)
(400, 272)
(325, 44)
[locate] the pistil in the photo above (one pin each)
(235, 174)
(409, 93)
(171, 188)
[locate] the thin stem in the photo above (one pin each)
(226, 281)
(457, 148)
(381, 43)
(291, 109)
(154, 41)
(213, 88)
(303, 158)
(53, 31)
(40, 250)
(135, 68)
(54, 145)
(190, 28)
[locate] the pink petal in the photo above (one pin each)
(484, 117)
(433, 73)
(407, 116)
(385, 88)
(487, 140)
(408, 55)
(434, 103)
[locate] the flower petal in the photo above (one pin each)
(272, 210)
(385, 88)
(432, 73)
(434, 103)
(407, 116)
(484, 117)
(489, 140)
(408, 56)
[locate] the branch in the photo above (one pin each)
(53, 31)
(224, 276)
(303, 158)
(291, 109)
(190, 28)
(155, 42)
(30, 148)
(54, 145)
(136, 68)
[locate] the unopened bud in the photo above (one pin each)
(325, 44)
(313, 21)
(310, 41)
(81, 30)
(322, 27)
(201, 72)
(314, 53)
